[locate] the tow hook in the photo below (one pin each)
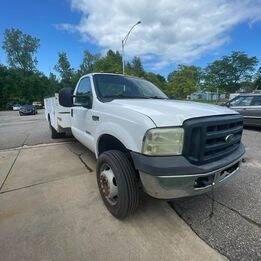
(203, 182)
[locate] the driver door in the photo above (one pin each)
(81, 114)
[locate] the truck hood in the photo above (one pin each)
(172, 112)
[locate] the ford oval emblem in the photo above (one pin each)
(229, 138)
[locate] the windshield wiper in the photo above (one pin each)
(120, 96)
(157, 97)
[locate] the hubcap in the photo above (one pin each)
(108, 185)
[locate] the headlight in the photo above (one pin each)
(163, 141)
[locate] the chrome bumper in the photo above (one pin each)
(170, 187)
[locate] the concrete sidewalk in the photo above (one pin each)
(51, 210)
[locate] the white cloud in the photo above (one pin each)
(172, 31)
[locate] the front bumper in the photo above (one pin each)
(27, 112)
(168, 181)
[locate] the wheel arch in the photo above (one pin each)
(107, 142)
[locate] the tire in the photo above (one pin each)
(20, 114)
(54, 133)
(126, 200)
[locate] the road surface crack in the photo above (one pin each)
(79, 155)
(36, 184)
(9, 171)
(251, 221)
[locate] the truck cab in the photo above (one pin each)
(143, 140)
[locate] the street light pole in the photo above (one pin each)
(123, 42)
(123, 61)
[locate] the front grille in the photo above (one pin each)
(211, 138)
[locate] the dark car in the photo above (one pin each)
(28, 110)
(249, 106)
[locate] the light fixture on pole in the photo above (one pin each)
(123, 42)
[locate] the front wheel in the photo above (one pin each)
(117, 183)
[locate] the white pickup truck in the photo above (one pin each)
(143, 140)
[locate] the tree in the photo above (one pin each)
(228, 73)
(111, 63)
(88, 62)
(137, 67)
(19, 87)
(184, 81)
(20, 49)
(63, 67)
(157, 80)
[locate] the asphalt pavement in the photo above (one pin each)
(16, 131)
(234, 226)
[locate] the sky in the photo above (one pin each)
(171, 31)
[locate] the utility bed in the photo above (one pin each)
(58, 116)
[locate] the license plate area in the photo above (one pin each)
(212, 179)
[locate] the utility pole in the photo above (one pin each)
(123, 42)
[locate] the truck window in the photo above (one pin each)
(84, 89)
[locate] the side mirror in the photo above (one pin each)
(66, 97)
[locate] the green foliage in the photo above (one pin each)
(157, 80)
(19, 87)
(184, 81)
(111, 63)
(63, 67)
(88, 62)
(137, 67)
(22, 83)
(230, 72)
(20, 49)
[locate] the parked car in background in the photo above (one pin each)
(249, 106)
(16, 107)
(38, 105)
(28, 110)
(233, 95)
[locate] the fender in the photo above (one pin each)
(125, 137)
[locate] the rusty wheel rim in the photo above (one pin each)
(108, 185)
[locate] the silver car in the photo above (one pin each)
(248, 105)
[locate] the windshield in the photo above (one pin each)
(124, 87)
(241, 101)
(27, 106)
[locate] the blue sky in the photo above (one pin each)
(163, 40)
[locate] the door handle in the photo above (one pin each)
(95, 118)
(71, 112)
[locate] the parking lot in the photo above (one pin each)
(50, 208)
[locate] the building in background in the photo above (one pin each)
(207, 96)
